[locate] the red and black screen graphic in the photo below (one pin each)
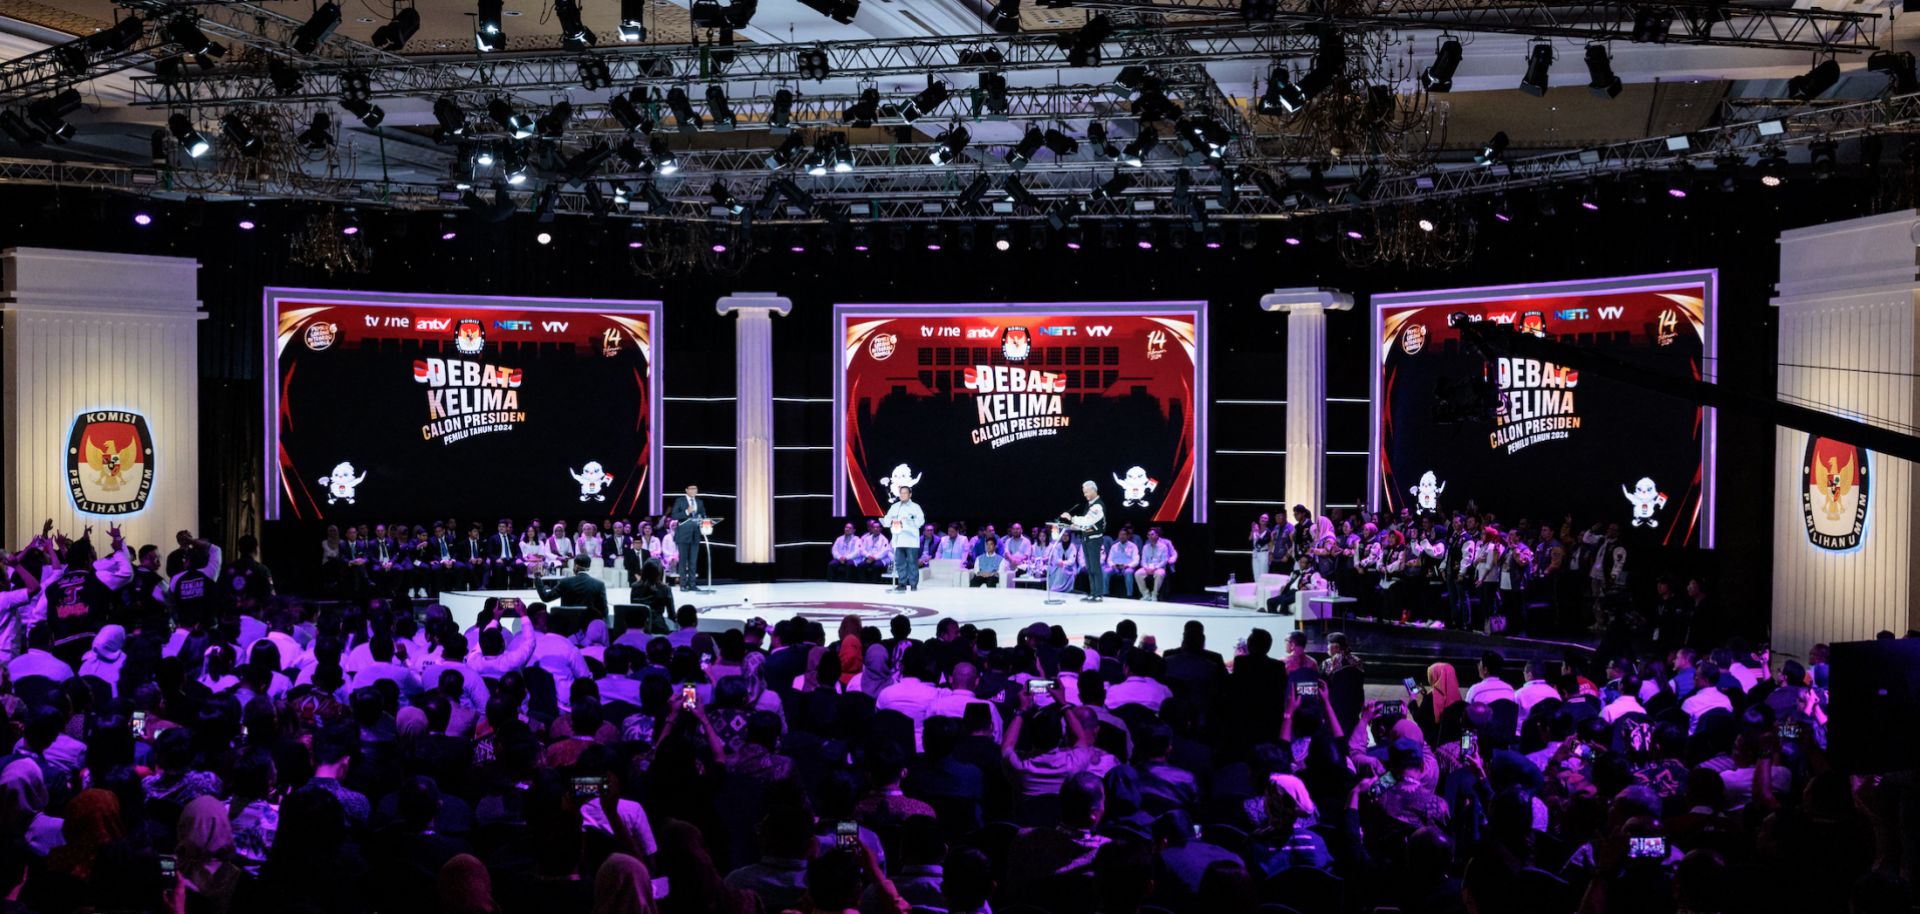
(1526, 437)
(1001, 412)
(385, 410)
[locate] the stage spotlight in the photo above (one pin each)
(1203, 134)
(1493, 150)
(1824, 154)
(514, 167)
(657, 202)
(1002, 238)
(1281, 95)
(235, 129)
(664, 161)
(1022, 152)
(1017, 192)
(841, 11)
(553, 124)
(862, 113)
(1438, 77)
(544, 238)
(1060, 144)
(682, 107)
(518, 124)
(50, 114)
(975, 190)
(1539, 63)
(1210, 237)
(1814, 82)
(861, 239)
(317, 28)
(1136, 152)
(1651, 24)
(719, 109)
(1728, 167)
(1328, 61)
(487, 32)
(1352, 230)
(1004, 17)
(795, 194)
(991, 99)
(780, 116)
(117, 38)
(1083, 46)
(143, 218)
(1143, 236)
(1772, 167)
(398, 31)
(186, 33)
(1113, 187)
(369, 113)
(813, 64)
(785, 153)
(1102, 144)
(594, 73)
(1135, 80)
(22, 133)
(949, 145)
(319, 133)
(627, 114)
(451, 117)
(1502, 210)
(1898, 66)
(1109, 235)
(723, 197)
(820, 160)
(1545, 203)
(285, 79)
(633, 20)
(842, 154)
(1589, 199)
(597, 202)
(926, 102)
(1602, 81)
(1073, 237)
(574, 34)
(1037, 239)
(192, 141)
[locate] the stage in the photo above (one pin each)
(1391, 650)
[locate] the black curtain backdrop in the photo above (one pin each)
(1732, 232)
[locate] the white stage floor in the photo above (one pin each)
(1003, 610)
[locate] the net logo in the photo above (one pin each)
(1059, 331)
(1835, 498)
(110, 462)
(513, 325)
(1572, 314)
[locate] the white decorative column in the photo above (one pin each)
(753, 420)
(1306, 438)
(97, 347)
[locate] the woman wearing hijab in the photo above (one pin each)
(23, 803)
(1441, 693)
(107, 656)
(592, 641)
(93, 820)
(410, 725)
(851, 653)
(465, 887)
(873, 671)
(205, 850)
(623, 886)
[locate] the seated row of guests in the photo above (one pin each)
(1132, 565)
(424, 560)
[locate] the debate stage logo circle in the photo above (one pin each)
(834, 610)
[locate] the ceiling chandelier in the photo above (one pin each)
(330, 244)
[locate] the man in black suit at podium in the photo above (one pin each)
(578, 589)
(687, 512)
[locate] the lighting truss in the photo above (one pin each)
(47, 72)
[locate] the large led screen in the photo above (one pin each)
(1529, 438)
(999, 411)
(404, 407)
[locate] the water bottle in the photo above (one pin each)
(1230, 580)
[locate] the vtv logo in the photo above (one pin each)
(554, 326)
(1100, 330)
(1611, 312)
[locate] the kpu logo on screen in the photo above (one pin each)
(110, 462)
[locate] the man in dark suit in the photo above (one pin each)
(687, 512)
(472, 553)
(502, 558)
(580, 588)
(1257, 690)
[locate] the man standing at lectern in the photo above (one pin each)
(902, 522)
(1090, 517)
(688, 511)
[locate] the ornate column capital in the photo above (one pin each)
(1306, 300)
(754, 301)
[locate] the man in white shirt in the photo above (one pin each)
(903, 521)
(915, 693)
(953, 702)
(1491, 687)
(845, 563)
(1706, 696)
(1156, 556)
(18, 589)
(498, 656)
(557, 655)
(876, 552)
(1138, 688)
(1750, 667)
(1016, 549)
(1627, 703)
(39, 659)
(1536, 689)
(383, 666)
(1123, 558)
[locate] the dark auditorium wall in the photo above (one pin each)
(1733, 232)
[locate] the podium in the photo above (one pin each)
(706, 543)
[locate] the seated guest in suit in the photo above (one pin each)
(987, 568)
(1123, 558)
(846, 555)
(929, 544)
(978, 544)
(501, 559)
(578, 589)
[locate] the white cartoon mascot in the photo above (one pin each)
(1135, 487)
(341, 483)
(902, 478)
(1427, 493)
(1646, 498)
(592, 478)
